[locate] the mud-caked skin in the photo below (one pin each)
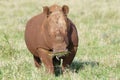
(49, 33)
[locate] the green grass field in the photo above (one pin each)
(98, 25)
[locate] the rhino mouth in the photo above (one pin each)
(60, 54)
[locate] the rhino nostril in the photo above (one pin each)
(50, 50)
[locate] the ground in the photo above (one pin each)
(98, 25)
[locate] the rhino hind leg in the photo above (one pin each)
(37, 61)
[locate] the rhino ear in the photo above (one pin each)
(46, 10)
(65, 9)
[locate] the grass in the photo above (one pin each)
(98, 25)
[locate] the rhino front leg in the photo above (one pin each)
(67, 60)
(46, 59)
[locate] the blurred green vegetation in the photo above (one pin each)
(98, 25)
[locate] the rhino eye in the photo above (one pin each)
(50, 12)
